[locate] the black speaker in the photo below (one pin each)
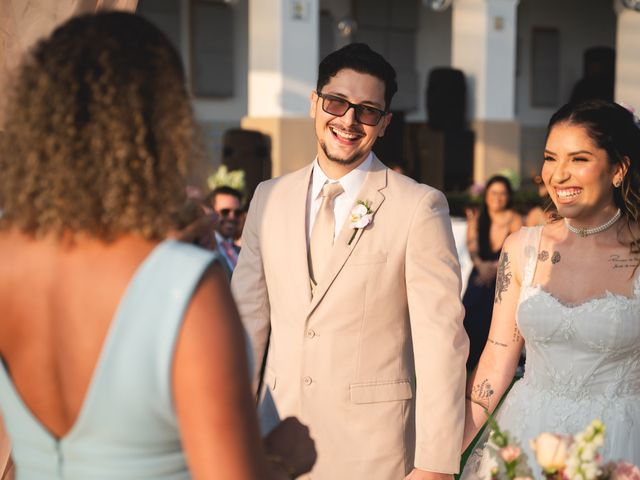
(250, 151)
(390, 147)
(599, 72)
(446, 99)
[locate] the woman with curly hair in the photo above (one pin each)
(570, 290)
(123, 355)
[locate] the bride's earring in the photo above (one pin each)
(617, 183)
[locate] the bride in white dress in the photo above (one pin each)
(570, 291)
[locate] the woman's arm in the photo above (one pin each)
(214, 405)
(499, 358)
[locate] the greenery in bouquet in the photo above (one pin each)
(561, 457)
(507, 458)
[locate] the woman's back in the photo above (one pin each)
(122, 361)
(100, 407)
(55, 296)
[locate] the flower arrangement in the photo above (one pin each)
(561, 457)
(227, 178)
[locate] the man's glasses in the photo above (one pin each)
(225, 212)
(339, 106)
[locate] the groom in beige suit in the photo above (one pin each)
(360, 303)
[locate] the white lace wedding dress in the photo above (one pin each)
(583, 363)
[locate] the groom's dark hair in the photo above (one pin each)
(359, 57)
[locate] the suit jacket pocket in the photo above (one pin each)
(380, 392)
(366, 259)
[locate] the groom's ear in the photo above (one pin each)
(313, 103)
(384, 123)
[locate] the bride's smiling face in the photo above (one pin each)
(578, 175)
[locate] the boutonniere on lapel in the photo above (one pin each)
(361, 216)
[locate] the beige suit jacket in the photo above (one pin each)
(374, 361)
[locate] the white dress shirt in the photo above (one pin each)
(343, 204)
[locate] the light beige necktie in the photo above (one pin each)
(323, 231)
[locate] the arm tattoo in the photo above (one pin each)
(498, 344)
(482, 393)
(504, 277)
(516, 335)
(543, 256)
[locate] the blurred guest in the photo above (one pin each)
(122, 354)
(226, 202)
(486, 232)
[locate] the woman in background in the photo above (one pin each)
(486, 233)
(122, 353)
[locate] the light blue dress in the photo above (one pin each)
(127, 427)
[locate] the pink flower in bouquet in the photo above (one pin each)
(510, 453)
(551, 451)
(623, 471)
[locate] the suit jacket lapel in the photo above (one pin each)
(295, 238)
(376, 180)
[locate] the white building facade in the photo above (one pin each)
(253, 64)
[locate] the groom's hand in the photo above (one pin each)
(417, 474)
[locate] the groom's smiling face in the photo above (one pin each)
(344, 140)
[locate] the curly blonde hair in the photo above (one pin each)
(99, 132)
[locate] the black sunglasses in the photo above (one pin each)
(225, 212)
(339, 106)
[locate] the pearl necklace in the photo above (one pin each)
(585, 232)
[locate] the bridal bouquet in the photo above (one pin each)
(561, 457)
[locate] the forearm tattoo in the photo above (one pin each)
(504, 276)
(497, 344)
(543, 256)
(481, 393)
(621, 261)
(516, 335)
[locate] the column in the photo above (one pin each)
(283, 64)
(627, 88)
(484, 48)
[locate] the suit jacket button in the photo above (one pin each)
(311, 333)
(307, 380)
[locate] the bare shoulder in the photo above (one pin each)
(515, 240)
(511, 257)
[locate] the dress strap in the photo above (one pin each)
(530, 247)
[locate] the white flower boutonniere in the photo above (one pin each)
(361, 216)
